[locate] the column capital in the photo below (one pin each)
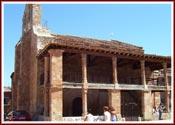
(164, 63)
(85, 86)
(83, 54)
(55, 52)
(46, 57)
(114, 58)
(116, 85)
(85, 90)
(142, 61)
(113, 90)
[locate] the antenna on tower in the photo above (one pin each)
(45, 24)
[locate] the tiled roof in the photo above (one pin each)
(105, 46)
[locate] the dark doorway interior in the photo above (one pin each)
(77, 107)
(131, 105)
(96, 100)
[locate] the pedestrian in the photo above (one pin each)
(155, 113)
(160, 109)
(107, 114)
(113, 114)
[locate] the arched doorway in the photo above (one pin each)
(77, 107)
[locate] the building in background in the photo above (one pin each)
(59, 76)
(7, 100)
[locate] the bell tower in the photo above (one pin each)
(31, 17)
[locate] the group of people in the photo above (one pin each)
(109, 115)
(157, 112)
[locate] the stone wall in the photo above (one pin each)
(33, 74)
(25, 76)
(40, 87)
(55, 88)
(40, 100)
(115, 100)
(147, 105)
(15, 84)
(24, 88)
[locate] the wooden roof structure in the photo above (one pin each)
(112, 47)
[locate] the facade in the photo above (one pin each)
(59, 76)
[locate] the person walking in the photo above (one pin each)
(160, 109)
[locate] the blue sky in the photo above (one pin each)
(145, 25)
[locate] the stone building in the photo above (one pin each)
(60, 76)
(7, 100)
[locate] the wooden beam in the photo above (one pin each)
(108, 86)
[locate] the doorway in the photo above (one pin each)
(131, 105)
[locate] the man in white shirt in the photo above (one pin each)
(107, 114)
(89, 117)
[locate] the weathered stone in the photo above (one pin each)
(147, 105)
(56, 85)
(115, 100)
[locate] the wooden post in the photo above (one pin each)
(143, 77)
(84, 82)
(146, 95)
(114, 69)
(167, 86)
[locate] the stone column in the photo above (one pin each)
(84, 102)
(115, 100)
(114, 69)
(146, 95)
(114, 96)
(143, 77)
(167, 86)
(147, 105)
(46, 75)
(84, 82)
(55, 89)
